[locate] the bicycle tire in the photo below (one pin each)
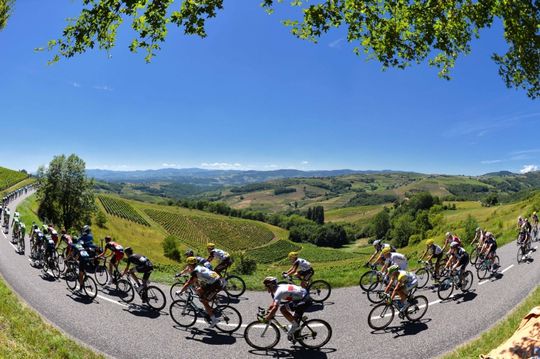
(235, 286)
(312, 332)
(125, 290)
(90, 287)
(230, 319)
(386, 311)
(155, 298)
(251, 335)
(102, 275)
(183, 313)
(417, 309)
(367, 279)
(520, 254)
(446, 288)
(423, 277)
(319, 291)
(474, 257)
(174, 288)
(467, 281)
(72, 278)
(482, 271)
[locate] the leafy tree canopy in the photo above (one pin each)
(396, 33)
(5, 10)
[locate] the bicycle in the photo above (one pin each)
(223, 299)
(234, 285)
(370, 277)
(89, 286)
(50, 262)
(473, 258)
(185, 313)
(425, 272)
(453, 281)
(264, 335)
(319, 290)
(149, 294)
(524, 248)
(487, 266)
(21, 245)
(383, 314)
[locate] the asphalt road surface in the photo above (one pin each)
(132, 331)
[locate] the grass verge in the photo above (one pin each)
(501, 332)
(23, 334)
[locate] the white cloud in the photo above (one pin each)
(75, 84)
(529, 168)
(221, 165)
(489, 162)
(169, 165)
(305, 162)
(336, 44)
(103, 87)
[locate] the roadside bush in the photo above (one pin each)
(243, 264)
(170, 248)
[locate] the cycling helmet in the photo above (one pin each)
(191, 260)
(270, 281)
(86, 229)
(108, 239)
(448, 234)
(478, 229)
(489, 234)
(128, 251)
(429, 242)
(392, 269)
(534, 213)
(293, 255)
(454, 245)
(386, 250)
(377, 242)
(210, 246)
(189, 253)
(520, 218)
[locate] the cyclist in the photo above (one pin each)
(458, 258)
(479, 238)
(79, 253)
(449, 239)
(117, 253)
(7, 214)
(490, 246)
(200, 261)
(520, 222)
(87, 238)
(142, 265)
(208, 284)
(297, 300)
(389, 258)
(15, 225)
(225, 260)
(535, 218)
(404, 283)
(301, 269)
(435, 252)
(22, 233)
(379, 245)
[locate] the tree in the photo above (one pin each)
(65, 193)
(101, 219)
(170, 249)
(397, 33)
(402, 229)
(5, 10)
(470, 225)
(381, 224)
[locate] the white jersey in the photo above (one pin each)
(289, 292)
(398, 259)
(204, 275)
(219, 254)
(435, 249)
(303, 265)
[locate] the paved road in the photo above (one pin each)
(123, 331)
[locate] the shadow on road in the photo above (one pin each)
(295, 352)
(316, 307)
(211, 337)
(142, 311)
(464, 297)
(47, 277)
(79, 298)
(405, 328)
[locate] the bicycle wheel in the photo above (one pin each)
(175, 288)
(90, 287)
(235, 286)
(125, 290)
(262, 336)
(54, 268)
(61, 263)
(496, 263)
(381, 316)
(314, 334)
(183, 313)
(155, 298)
(521, 254)
(467, 281)
(319, 291)
(72, 277)
(417, 309)
(446, 288)
(367, 279)
(230, 319)
(483, 271)
(101, 275)
(423, 277)
(474, 257)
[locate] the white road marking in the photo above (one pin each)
(4, 233)
(111, 300)
(510, 266)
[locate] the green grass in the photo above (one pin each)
(501, 332)
(9, 177)
(16, 186)
(273, 252)
(23, 334)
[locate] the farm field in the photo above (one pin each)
(122, 209)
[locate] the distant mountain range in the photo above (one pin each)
(207, 177)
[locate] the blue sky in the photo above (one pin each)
(251, 96)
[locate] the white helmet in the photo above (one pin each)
(448, 234)
(454, 244)
(376, 242)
